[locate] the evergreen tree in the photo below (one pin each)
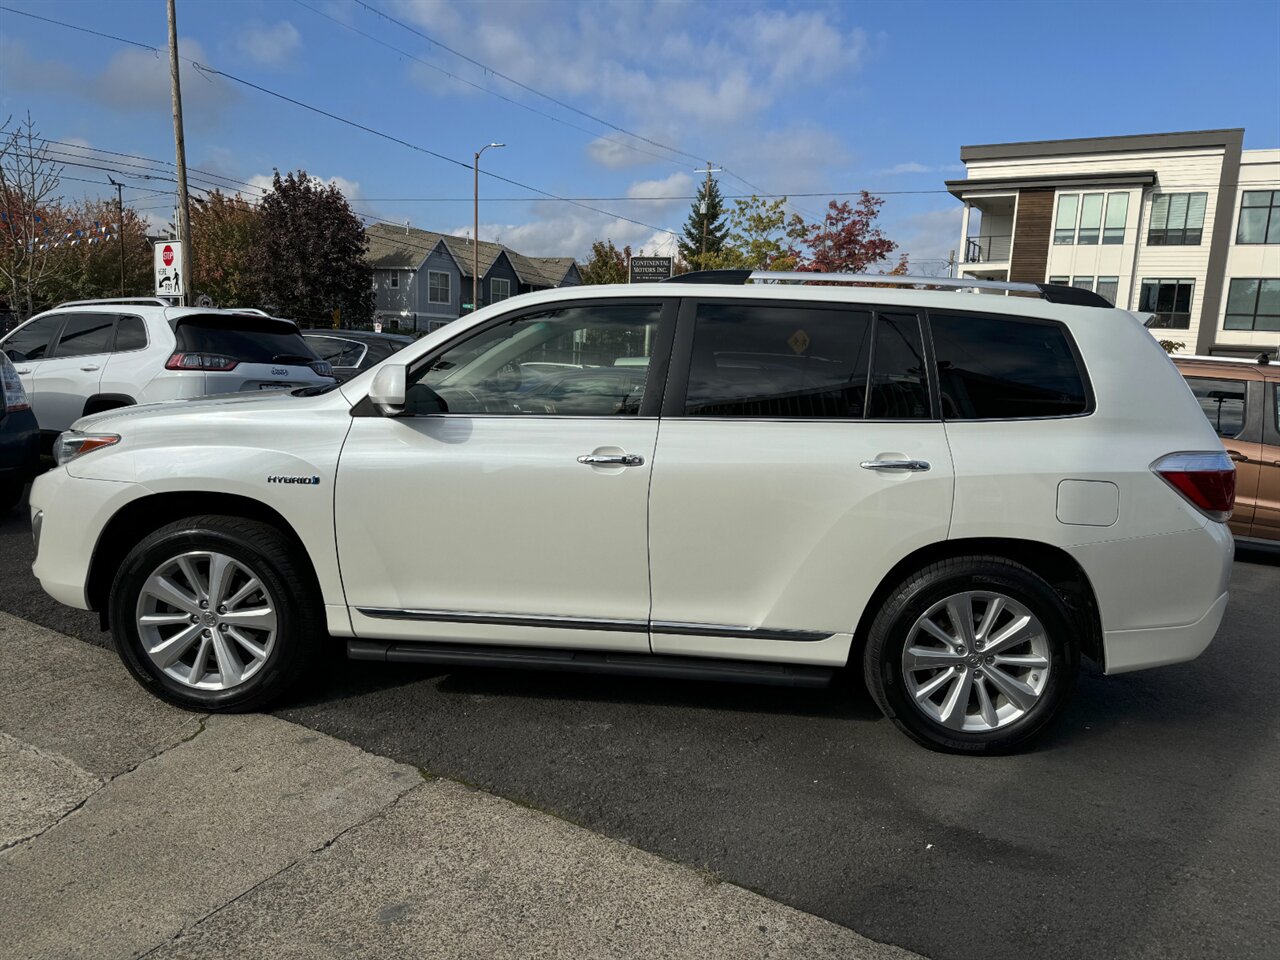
(708, 211)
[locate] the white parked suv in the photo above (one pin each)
(89, 356)
(958, 495)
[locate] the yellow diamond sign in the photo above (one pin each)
(799, 341)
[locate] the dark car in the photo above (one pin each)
(19, 437)
(353, 351)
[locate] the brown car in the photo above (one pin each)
(1241, 398)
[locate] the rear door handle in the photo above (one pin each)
(23, 372)
(913, 466)
(89, 369)
(620, 460)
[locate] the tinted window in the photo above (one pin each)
(752, 360)
(32, 341)
(1222, 402)
(86, 334)
(131, 334)
(247, 339)
(899, 387)
(588, 361)
(339, 352)
(998, 368)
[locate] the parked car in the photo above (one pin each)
(956, 495)
(351, 351)
(1241, 399)
(19, 438)
(94, 355)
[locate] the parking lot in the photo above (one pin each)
(1143, 825)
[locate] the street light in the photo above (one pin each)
(475, 233)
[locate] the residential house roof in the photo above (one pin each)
(395, 247)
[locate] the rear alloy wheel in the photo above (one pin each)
(217, 613)
(972, 655)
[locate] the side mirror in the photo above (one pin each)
(387, 392)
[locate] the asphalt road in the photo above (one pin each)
(1146, 825)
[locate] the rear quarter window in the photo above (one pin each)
(1006, 368)
(248, 339)
(1223, 403)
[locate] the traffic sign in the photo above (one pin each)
(168, 268)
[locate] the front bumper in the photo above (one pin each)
(73, 514)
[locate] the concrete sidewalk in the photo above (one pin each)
(129, 828)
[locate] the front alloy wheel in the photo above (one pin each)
(217, 613)
(206, 620)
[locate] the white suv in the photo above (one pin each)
(94, 355)
(957, 494)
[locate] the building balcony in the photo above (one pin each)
(988, 249)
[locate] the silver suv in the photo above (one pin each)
(89, 356)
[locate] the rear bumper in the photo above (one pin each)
(1161, 598)
(19, 446)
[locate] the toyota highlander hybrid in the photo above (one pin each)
(955, 494)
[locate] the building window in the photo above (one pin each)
(1117, 213)
(1169, 300)
(1253, 305)
(438, 289)
(1177, 220)
(1090, 219)
(1061, 281)
(395, 280)
(1107, 288)
(499, 289)
(1065, 229)
(1259, 217)
(1084, 283)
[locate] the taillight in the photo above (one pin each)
(201, 361)
(1205, 480)
(12, 395)
(323, 367)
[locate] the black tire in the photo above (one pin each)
(10, 494)
(883, 655)
(301, 637)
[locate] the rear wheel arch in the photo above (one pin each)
(139, 518)
(1053, 564)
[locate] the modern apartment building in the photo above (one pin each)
(1185, 226)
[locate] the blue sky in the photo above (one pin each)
(793, 97)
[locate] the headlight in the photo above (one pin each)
(71, 444)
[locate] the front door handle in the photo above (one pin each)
(1237, 456)
(914, 466)
(89, 369)
(23, 372)
(620, 460)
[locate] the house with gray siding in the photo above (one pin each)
(422, 279)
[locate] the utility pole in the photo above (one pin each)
(184, 208)
(119, 226)
(475, 231)
(951, 263)
(706, 194)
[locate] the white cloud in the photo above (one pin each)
(570, 234)
(912, 166)
(614, 154)
(260, 183)
(927, 238)
(138, 81)
(269, 44)
(677, 185)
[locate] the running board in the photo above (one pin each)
(592, 661)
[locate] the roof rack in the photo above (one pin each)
(128, 301)
(1052, 292)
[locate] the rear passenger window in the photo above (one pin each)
(765, 361)
(86, 334)
(1223, 402)
(131, 334)
(1005, 368)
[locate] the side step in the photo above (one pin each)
(594, 661)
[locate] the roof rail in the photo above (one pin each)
(129, 301)
(1052, 292)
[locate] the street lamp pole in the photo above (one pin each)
(119, 225)
(475, 231)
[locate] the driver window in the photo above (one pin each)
(586, 361)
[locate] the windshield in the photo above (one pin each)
(247, 338)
